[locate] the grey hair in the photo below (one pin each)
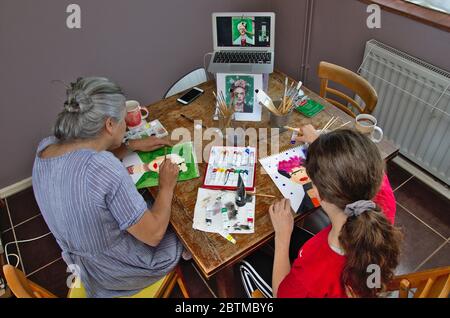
(90, 102)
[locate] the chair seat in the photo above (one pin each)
(147, 292)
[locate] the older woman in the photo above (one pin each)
(100, 221)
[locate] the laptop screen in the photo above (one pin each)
(243, 31)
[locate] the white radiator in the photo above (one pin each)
(413, 107)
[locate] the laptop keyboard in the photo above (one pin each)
(243, 57)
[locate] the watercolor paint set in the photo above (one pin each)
(153, 128)
(225, 164)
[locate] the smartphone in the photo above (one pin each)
(190, 95)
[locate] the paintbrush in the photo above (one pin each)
(262, 195)
(266, 101)
(293, 129)
(191, 120)
(343, 125)
(327, 124)
(286, 81)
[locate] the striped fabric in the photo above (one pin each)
(252, 281)
(88, 201)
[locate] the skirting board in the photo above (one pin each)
(15, 188)
(423, 176)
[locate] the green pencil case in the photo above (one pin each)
(310, 109)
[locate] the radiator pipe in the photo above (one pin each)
(309, 14)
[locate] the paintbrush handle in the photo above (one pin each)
(262, 195)
(292, 129)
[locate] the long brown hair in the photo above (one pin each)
(345, 166)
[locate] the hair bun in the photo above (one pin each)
(78, 102)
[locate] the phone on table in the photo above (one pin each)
(189, 96)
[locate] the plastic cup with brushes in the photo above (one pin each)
(281, 109)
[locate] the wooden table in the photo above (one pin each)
(213, 255)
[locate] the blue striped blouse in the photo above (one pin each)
(88, 201)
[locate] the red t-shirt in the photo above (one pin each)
(316, 273)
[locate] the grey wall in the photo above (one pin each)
(146, 45)
(290, 17)
(339, 34)
(141, 44)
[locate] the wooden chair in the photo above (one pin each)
(434, 283)
(257, 294)
(357, 84)
(24, 288)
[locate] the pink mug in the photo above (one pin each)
(134, 116)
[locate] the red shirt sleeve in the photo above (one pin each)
(386, 200)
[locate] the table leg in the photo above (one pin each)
(225, 282)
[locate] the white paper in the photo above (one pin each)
(236, 225)
(133, 159)
(290, 190)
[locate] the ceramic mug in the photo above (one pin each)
(134, 115)
(367, 124)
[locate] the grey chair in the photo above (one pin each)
(189, 80)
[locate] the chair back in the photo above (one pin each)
(357, 84)
(21, 286)
(189, 80)
(24, 288)
(434, 283)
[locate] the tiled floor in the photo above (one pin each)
(423, 215)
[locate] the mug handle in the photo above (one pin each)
(146, 112)
(380, 132)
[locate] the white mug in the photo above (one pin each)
(367, 124)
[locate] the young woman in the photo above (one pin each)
(106, 232)
(347, 172)
(348, 180)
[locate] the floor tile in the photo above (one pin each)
(37, 253)
(195, 285)
(426, 204)
(440, 259)
(12, 248)
(396, 174)
(53, 278)
(4, 218)
(419, 241)
(22, 206)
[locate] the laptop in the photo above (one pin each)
(243, 42)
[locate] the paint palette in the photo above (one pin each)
(153, 128)
(226, 163)
(216, 212)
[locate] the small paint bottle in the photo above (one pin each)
(294, 137)
(224, 213)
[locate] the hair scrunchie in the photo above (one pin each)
(359, 207)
